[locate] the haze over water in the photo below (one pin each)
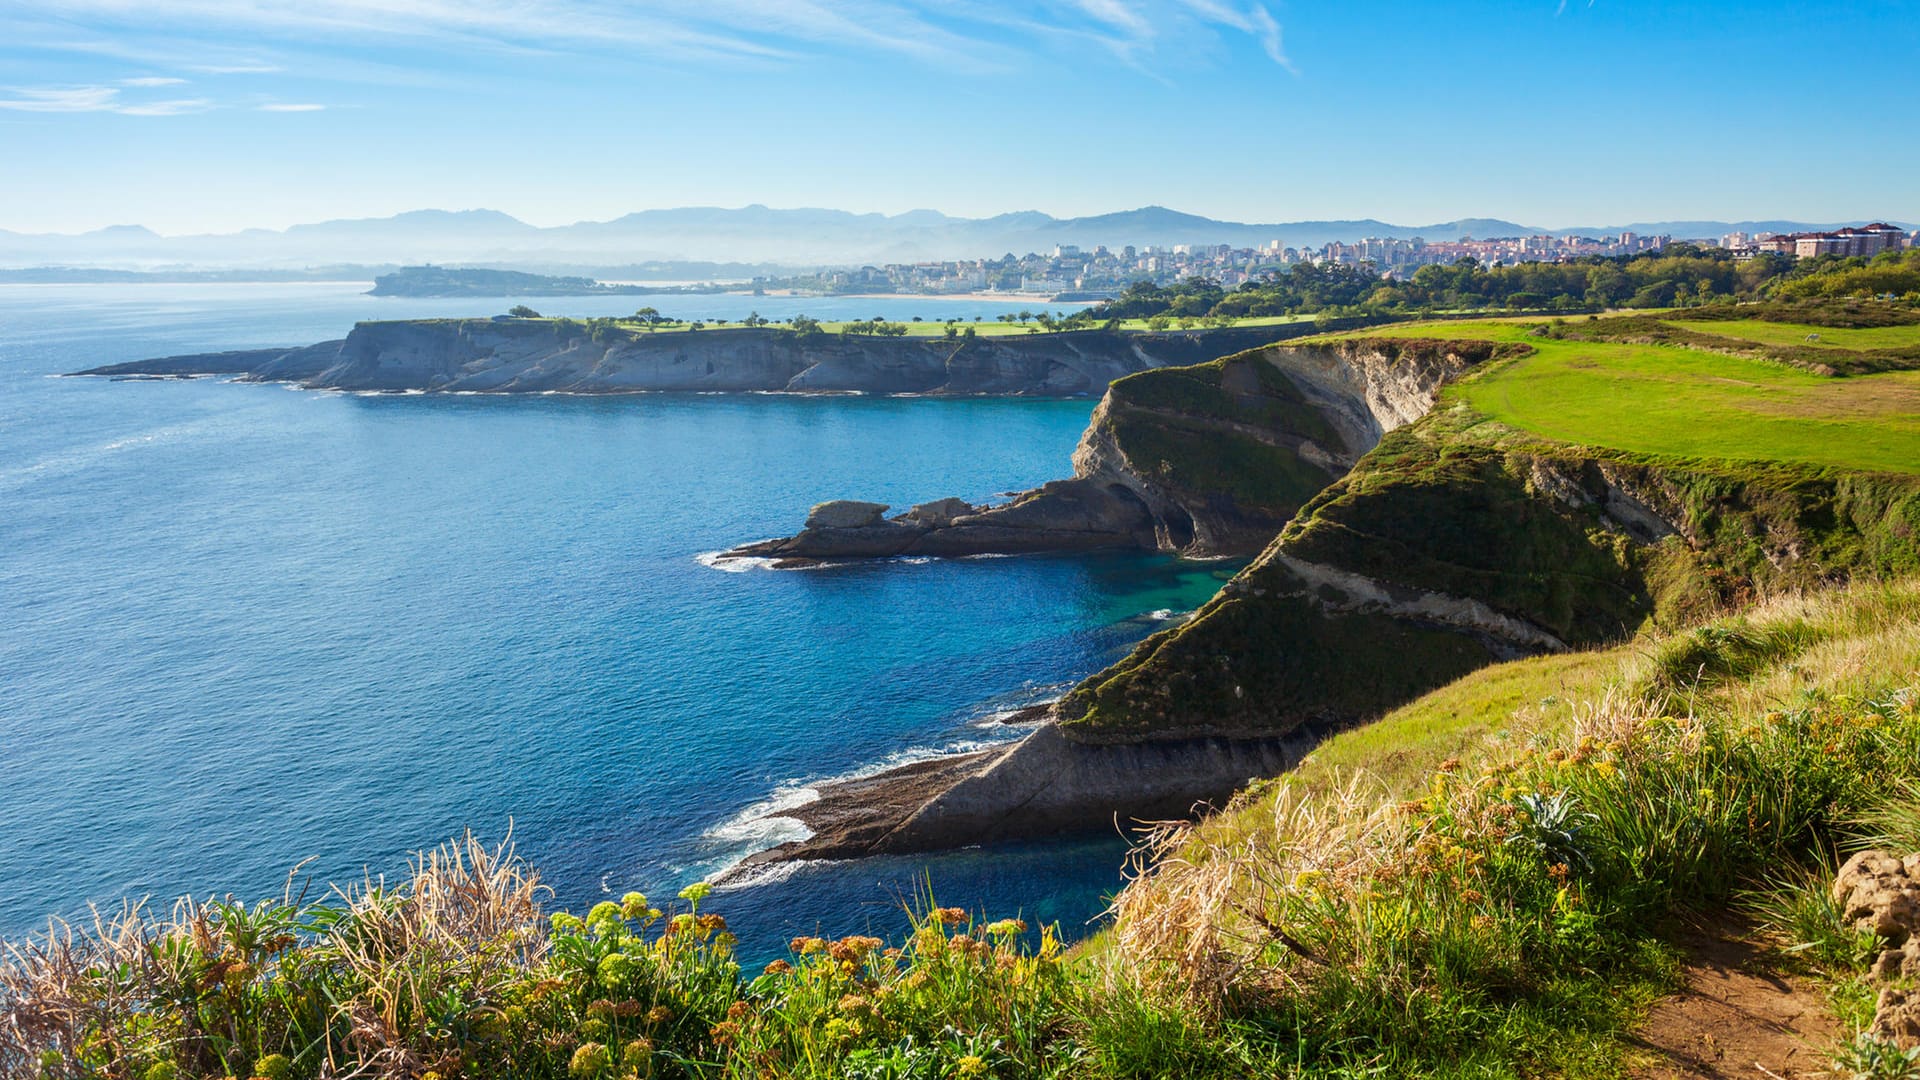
(242, 626)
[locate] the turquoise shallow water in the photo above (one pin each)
(242, 626)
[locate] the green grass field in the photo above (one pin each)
(1690, 403)
(1771, 333)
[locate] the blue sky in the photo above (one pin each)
(215, 115)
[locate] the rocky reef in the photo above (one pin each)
(541, 356)
(1204, 460)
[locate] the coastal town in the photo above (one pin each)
(1070, 273)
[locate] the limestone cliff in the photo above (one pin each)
(1208, 459)
(538, 355)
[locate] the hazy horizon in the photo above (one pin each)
(455, 211)
(203, 116)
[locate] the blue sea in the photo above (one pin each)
(245, 627)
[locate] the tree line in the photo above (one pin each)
(1681, 275)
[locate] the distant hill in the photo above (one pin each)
(758, 234)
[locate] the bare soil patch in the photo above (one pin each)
(1739, 1016)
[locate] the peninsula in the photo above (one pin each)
(606, 356)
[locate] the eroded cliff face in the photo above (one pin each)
(1204, 460)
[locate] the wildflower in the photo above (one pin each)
(1007, 927)
(1605, 768)
(854, 948)
(950, 916)
(604, 913)
(614, 968)
(1451, 765)
(566, 923)
(710, 923)
(971, 1065)
(600, 1008)
(696, 892)
(659, 1014)
(682, 923)
(738, 1009)
(633, 906)
(807, 946)
(1558, 871)
(1411, 806)
(853, 1003)
(1306, 879)
(778, 967)
(595, 1029)
(725, 1031)
(637, 1054)
(1472, 896)
(590, 1060)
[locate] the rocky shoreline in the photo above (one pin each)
(1045, 785)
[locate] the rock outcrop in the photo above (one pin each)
(1879, 892)
(539, 356)
(1210, 459)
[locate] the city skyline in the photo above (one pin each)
(200, 116)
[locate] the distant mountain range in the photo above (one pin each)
(794, 238)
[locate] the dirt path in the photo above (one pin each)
(1739, 1017)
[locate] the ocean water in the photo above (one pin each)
(243, 626)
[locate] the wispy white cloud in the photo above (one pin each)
(1254, 20)
(61, 100)
(955, 34)
(93, 99)
(177, 107)
(153, 80)
(290, 107)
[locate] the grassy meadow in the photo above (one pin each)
(1688, 402)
